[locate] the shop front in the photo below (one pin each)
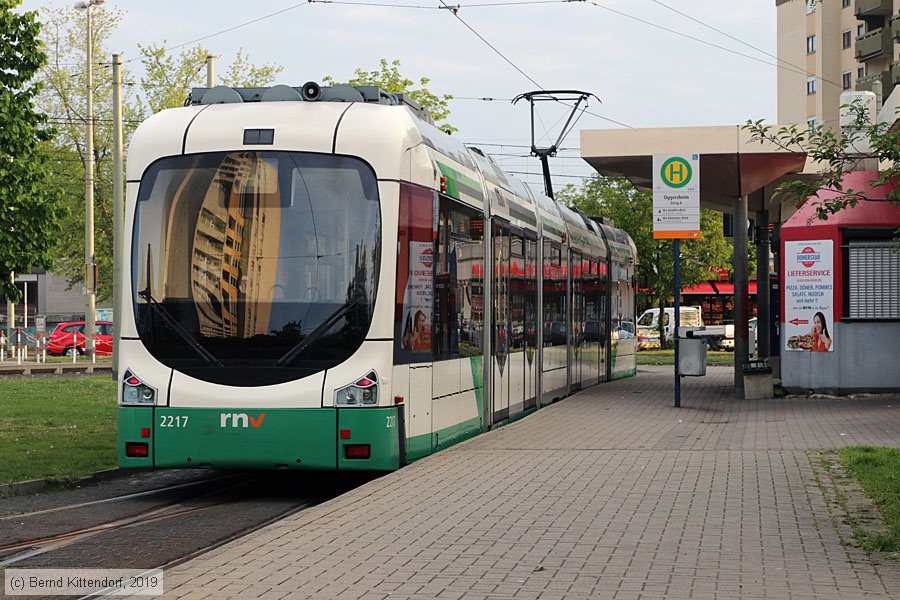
(840, 293)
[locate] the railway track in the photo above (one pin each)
(37, 546)
(158, 527)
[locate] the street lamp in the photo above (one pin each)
(90, 267)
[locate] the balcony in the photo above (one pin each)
(864, 84)
(874, 44)
(874, 8)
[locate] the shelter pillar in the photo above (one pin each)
(741, 224)
(763, 314)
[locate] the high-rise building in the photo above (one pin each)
(828, 47)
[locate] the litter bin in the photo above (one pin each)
(758, 380)
(691, 356)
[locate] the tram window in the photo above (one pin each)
(555, 285)
(413, 313)
(458, 282)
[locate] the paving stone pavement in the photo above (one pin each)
(612, 493)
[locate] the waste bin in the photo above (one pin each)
(691, 357)
(758, 380)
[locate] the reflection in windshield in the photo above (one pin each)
(252, 252)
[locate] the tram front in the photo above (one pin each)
(249, 298)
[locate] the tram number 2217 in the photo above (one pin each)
(173, 421)
(391, 421)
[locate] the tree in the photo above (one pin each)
(389, 78)
(169, 79)
(632, 211)
(861, 146)
(167, 82)
(31, 209)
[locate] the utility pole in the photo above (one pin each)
(10, 315)
(118, 208)
(210, 71)
(90, 267)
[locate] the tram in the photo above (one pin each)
(319, 278)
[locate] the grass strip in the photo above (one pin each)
(667, 357)
(878, 472)
(56, 427)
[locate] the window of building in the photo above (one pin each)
(810, 44)
(845, 3)
(811, 123)
(860, 29)
(873, 278)
(845, 80)
(860, 71)
(846, 39)
(810, 85)
(810, 6)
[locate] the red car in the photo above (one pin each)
(69, 337)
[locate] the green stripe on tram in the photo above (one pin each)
(460, 183)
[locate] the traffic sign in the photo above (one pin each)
(676, 196)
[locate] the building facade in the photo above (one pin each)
(826, 48)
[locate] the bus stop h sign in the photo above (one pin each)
(676, 196)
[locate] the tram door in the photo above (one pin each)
(576, 331)
(502, 329)
(530, 309)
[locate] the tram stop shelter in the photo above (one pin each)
(737, 175)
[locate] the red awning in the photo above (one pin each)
(717, 288)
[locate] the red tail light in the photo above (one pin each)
(357, 451)
(145, 432)
(345, 434)
(138, 449)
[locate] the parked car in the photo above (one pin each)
(68, 338)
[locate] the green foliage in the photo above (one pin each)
(837, 154)
(632, 210)
(31, 210)
(169, 78)
(389, 78)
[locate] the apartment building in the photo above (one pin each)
(827, 47)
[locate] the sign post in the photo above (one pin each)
(676, 216)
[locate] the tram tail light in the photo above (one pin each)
(137, 449)
(362, 392)
(135, 392)
(358, 451)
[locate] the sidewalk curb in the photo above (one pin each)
(34, 486)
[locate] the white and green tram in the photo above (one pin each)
(318, 278)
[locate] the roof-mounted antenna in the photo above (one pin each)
(563, 97)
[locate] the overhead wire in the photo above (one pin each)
(229, 29)
(690, 37)
(740, 41)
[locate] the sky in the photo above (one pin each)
(637, 56)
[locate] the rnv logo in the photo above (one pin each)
(240, 420)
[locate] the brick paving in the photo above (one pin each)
(612, 493)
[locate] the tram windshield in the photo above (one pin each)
(255, 268)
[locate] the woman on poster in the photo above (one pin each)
(821, 338)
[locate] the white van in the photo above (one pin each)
(648, 324)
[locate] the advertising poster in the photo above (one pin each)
(418, 300)
(809, 296)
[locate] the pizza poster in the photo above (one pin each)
(809, 296)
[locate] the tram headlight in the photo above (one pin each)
(362, 392)
(136, 392)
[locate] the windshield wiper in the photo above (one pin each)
(318, 332)
(159, 309)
